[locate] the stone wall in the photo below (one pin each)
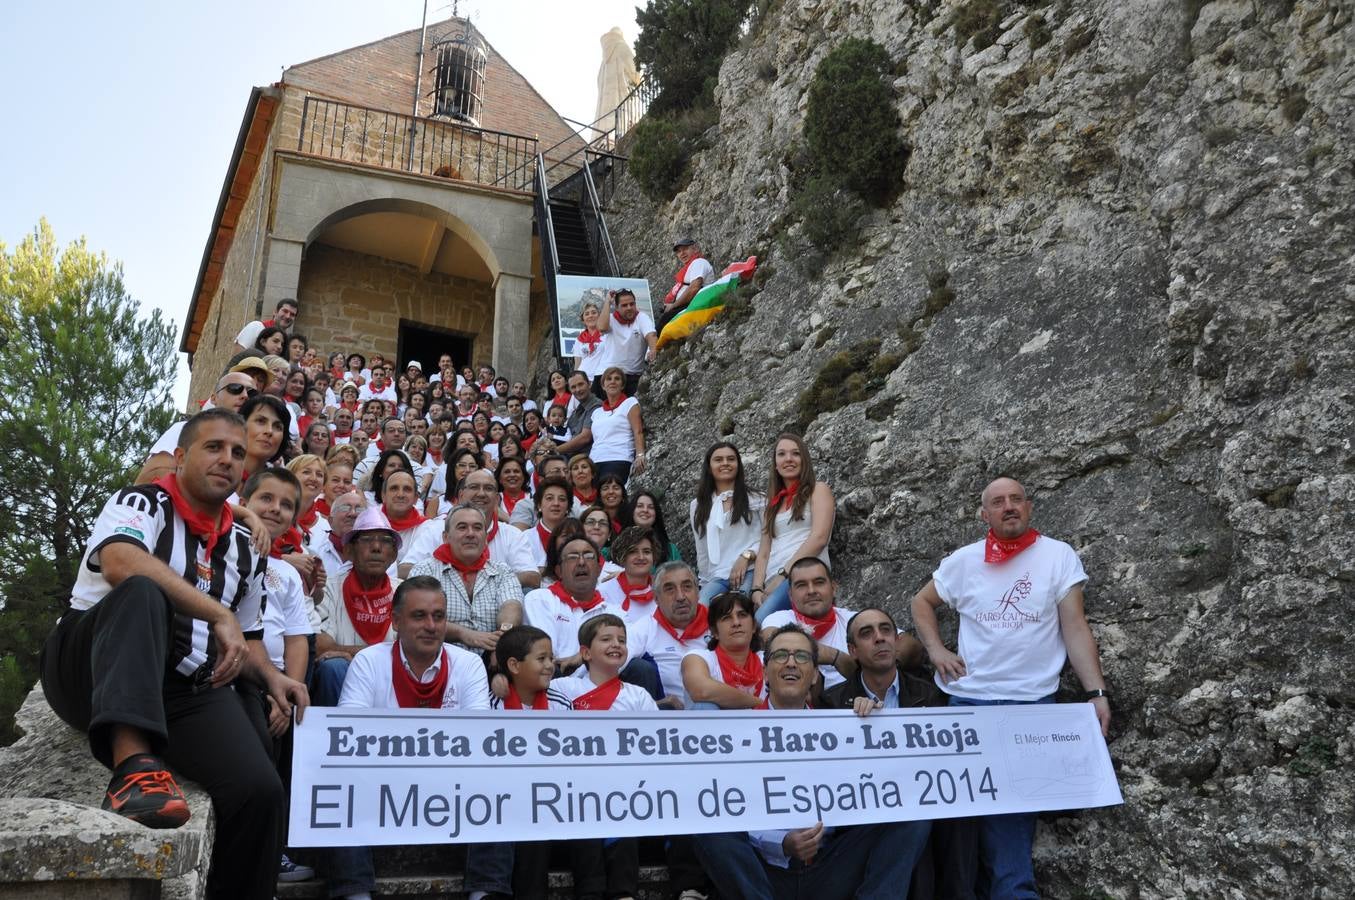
(354, 302)
(1118, 267)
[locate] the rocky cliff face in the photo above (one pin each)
(1119, 269)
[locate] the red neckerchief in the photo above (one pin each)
(526, 441)
(996, 550)
(749, 675)
(435, 456)
(493, 531)
(698, 626)
(306, 521)
(269, 323)
(786, 494)
(351, 407)
(484, 388)
(336, 374)
(590, 338)
(561, 399)
(600, 697)
(290, 399)
(611, 406)
(411, 519)
(336, 540)
(368, 610)
(411, 693)
(474, 408)
(201, 525)
(468, 572)
(586, 499)
(567, 598)
(321, 506)
(509, 501)
(818, 627)
(543, 534)
(640, 593)
(679, 281)
(380, 445)
(631, 321)
(289, 541)
(513, 701)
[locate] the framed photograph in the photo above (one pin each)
(573, 291)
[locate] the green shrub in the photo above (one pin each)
(829, 215)
(851, 126)
(659, 153)
(854, 375)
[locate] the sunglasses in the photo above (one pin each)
(237, 389)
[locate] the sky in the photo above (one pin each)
(121, 117)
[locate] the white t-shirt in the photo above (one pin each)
(387, 393)
(249, 334)
(631, 698)
(612, 592)
(334, 619)
(725, 540)
(625, 345)
(613, 439)
(544, 610)
(835, 638)
(645, 636)
(287, 610)
(370, 683)
(169, 441)
(419, 542)
(700, 268)
(1010, 638)
(589, 358)
(510, 548)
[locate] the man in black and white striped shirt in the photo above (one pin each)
(167, 612)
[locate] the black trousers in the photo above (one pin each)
(108, 666)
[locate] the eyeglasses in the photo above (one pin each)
(597, 520)
(585, 556)
(235, 389)
(803, 657)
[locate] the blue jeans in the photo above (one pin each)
(717, 586)
(489, 867)
(327, 682)
(1006, 871)
(868, 862)
(616, 467)
(776, 601)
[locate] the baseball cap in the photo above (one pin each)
(414, 364)
(684, 242)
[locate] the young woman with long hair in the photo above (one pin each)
(798, 522)
(726, 522)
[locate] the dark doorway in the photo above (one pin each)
(427, 342)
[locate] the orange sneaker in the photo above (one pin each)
(144, 791)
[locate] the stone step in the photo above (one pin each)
(653, 886)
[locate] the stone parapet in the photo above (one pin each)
(55, 841)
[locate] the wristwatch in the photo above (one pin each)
(1092, 695)
(749, 555)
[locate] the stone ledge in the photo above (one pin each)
(52, 829)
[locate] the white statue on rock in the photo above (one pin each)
(616, 78)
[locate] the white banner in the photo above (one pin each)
(369, 777)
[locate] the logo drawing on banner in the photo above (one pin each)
(1008, 615)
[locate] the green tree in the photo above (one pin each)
(851, 125)
(90, 381)
(683, 42)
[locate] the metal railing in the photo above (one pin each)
(550, 257)
(595, 227)
(375, 137)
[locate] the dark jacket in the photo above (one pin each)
(914, 690)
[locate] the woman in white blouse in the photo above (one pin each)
(726, 521)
